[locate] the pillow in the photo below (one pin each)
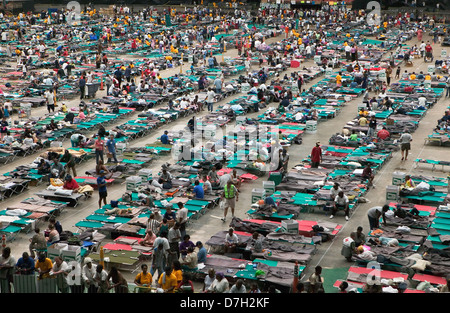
(420, 265)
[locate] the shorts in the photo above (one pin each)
(103, 194)
(230, 203)
(406, 146)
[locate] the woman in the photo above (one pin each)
(119, 283)
(144, 279)
(53, 235)
(209, 279)
(176, 270)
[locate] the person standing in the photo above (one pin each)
(374, 214)
(388, 75)
(111, 146)
(210, 99)
(405, 144)
(99, 146)
(88, 273)
(372, 126)
(7, 265)
(50, 97)
(231, 196)
(82, 86)
(102, 191)
(316, 156)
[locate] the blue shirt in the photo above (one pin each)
(199, 192)
(111, 145)
(201, 255)
(101, 180)
(26, 264)
(165, 139)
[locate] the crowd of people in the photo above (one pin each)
(175, 257)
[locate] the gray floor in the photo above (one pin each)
(328, 255)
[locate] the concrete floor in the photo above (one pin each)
(328, 255)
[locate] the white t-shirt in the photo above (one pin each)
(405, 138)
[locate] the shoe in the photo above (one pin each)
(331, 216)
(223, 219)
(346, 218)
(402, 159)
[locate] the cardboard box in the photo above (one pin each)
(72, 253)
(392, 192)
(398, 178)
(56, 249)
(258, 194)
(269, 187)
(289, 226)
(133, 182)
(145, 174)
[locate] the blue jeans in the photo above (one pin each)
(210, 106)
(99, 155)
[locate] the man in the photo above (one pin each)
(25, 265)
(210, 99)
(238, 287)
(316, 155)
(284, 160)
(335, 190)
(218, 85)
(111, 146)
(82, 86)
(174, 238)
(182, 218)
(405, 144)
(201, 254)
(190, 261)
(50, 97)
(60, 270)
(367, 174)
(43, 265)
(167, 281)
(207, 187)
(70, 183)
(88, 273)
(358, 236)
(372, 126)
(37, 242)
(165, 138)
(374, 215)
(7, 264)
(102, 191)
(231, 196)
(383, 134)
(199, 193)
(340, 203)
(231, 241)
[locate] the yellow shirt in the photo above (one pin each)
(171, 281)
(44, 266)
(178, 274)
(412, 77)
(362, 121)
(144, 279)
(338, 79)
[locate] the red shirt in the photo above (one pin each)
(383, 134)
(428, 48)
(72, 185)
(316, 154)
